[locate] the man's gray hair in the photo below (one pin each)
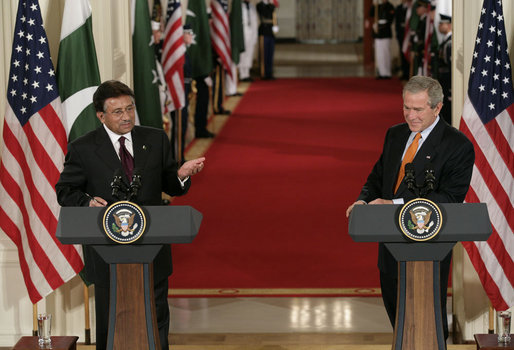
(421, 83)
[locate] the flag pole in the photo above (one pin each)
(178, 114)
(261, 55)
(491, 318)
(216, 91)
(34, 319)
(87, 327)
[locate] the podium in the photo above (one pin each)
(132, 318)
(418, 313)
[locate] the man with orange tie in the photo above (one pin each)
(426, 141)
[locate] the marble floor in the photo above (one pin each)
(283, 320)
(279, 315)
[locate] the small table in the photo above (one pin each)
(58, 343)
(490, 342)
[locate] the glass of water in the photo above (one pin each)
(503, 325)
(44, 329)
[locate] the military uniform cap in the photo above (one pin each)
(445, 18)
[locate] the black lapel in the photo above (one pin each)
(397, 148)
(141, 147)
(428, 151)
(105, 150)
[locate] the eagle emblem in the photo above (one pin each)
(124, 222)
(420, 219)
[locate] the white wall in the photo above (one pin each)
(286, 17)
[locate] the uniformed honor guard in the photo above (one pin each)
(250, 31)
(418, 36)
(267, 29)
(445, 66)
(382, 16)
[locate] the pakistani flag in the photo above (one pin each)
(200, 51)
(237, 40)
(146, 79)
(77, 69)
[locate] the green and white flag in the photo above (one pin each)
(200, 50)
(146, 79)
(77, 69)
(237, 40)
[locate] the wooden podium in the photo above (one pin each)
(418, 314)
(132, 319)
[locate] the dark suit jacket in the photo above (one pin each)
(452, 157)
(89, 167)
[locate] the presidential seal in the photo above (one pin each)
(124, 222)
(420, 219)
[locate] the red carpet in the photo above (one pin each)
(277, 182)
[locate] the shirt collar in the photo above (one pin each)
(115, 137)
(426, 132)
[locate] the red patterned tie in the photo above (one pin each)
(127, 161)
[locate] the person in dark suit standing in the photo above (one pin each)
(445, 65)
(89, 166)
(430, 141)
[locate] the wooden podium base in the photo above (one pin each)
(418, 315)
(132, 317)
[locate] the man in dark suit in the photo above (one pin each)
(446, 149)
(90, 164)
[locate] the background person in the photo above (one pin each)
(382, 32)
(267, 30)
(445, 66)
(250, 33)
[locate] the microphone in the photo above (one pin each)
(116, 184)
(429, 183)
(410, 178)
(135, 185)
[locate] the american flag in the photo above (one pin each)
(220, 33)
(429, 31)
(173, 51)
(406, 46)
(33, 147)
(487, 120)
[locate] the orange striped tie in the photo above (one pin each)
(407, 158)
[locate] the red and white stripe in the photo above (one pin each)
(172, 59)
(220, 35)
(407, 34)
(429, 31)
(492, 183)
(32, 159)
